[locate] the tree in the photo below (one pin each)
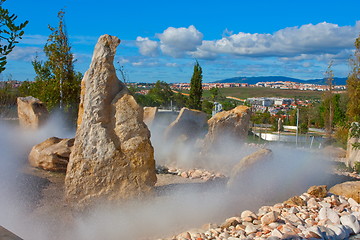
(161, 94)
(353, 85)
(56, 82)
(196, 88)
(328, 101)
(9, 33)
(214, 92)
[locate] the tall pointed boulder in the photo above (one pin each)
(112, 157)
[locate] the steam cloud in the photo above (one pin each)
(176, 207)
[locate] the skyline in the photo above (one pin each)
(161, 41)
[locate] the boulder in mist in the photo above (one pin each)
(352, 153)
(232, 124)
(188, 125)
(150, 114)
(32, 112)
(52, 154)
(113, 158)
(246, 163)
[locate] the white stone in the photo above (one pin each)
(350, 221)
(327, 213)
(340, 231)
(325, 204)
(293, 210)
(269, 218)
(352, 202)
(276, 233)
(250, 229)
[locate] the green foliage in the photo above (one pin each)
(9, 33)
(340, 102)
(328, 101)
(357, 167)
(341, 135)
(196, 91)
(161, 94)
(353, 86)
(261, 118)
(214, 93)
(180, 100)
(303, 128)
(56, 82)
(207, 106)
(227, 105)
(355, 133)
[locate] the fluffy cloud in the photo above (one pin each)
(25, 53)
(176, 42)
(322, 40)
(147, 47)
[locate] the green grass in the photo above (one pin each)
(249, 92)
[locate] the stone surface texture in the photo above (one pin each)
(52, 154)
(247, 162)
(228, 124)
(352, 154)
(112, 158)
(349, 189)
(32, 112)
(150, 115)
(339, 219)
(187, 126)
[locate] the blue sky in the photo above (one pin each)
(160, 40)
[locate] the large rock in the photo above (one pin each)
(112, 158)
(52, 154)
(187, 126)
(247, 162)
(348, 189)
(232, 124)
(7, 235)
(32, 112)
(150, 115)
(352, 153)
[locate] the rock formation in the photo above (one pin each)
(52, 154)
(187, 126)
(233, 124)
(32, 112)
(112, 158)
(352, 153)
(150, 115)
(247, 162)
(348, 189)
(7, 235)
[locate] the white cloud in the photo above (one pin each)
(171, 64)
(34, 39)
(25, 53)
(322, 38)
(176, 42)
(147, 47)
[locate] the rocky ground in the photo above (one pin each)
(306, 216)
(312, 215)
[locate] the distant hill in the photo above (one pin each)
(254, 80)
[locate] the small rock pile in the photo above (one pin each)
(194, 173)
(312, 215)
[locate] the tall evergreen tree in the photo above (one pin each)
(353, 85)
(328, 101)
(196, 91)
(56, 82)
